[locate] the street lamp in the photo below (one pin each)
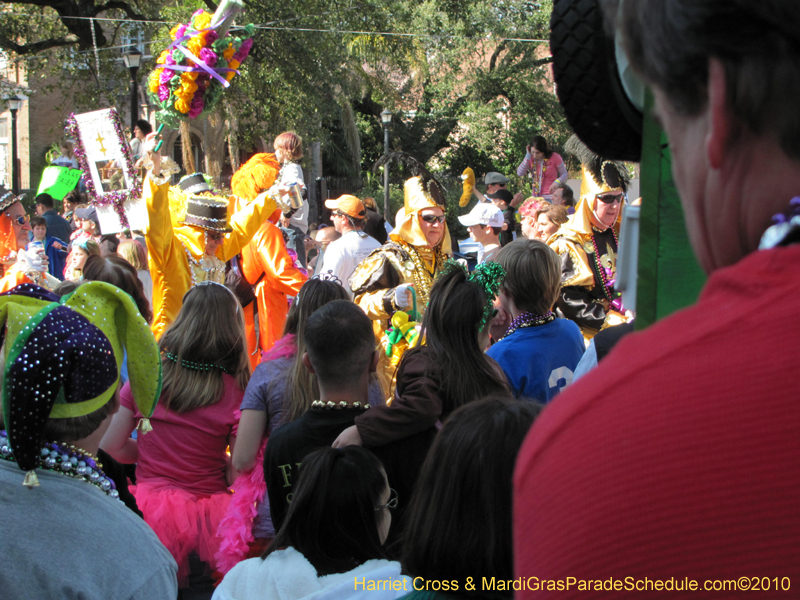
(132, 59)
(386, 119)
(14, 104)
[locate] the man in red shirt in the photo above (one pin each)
(676, 465)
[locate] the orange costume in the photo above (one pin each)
(266, 263)
(13, 265)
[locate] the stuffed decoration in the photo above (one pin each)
(468, 177)
(400, 337)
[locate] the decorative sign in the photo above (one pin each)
(58, 181)
(111, 180)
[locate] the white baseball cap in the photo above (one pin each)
(483, 213)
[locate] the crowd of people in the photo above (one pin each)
(207, 408)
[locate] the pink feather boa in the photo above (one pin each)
(249, 489)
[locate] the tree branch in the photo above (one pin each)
(33, 48)
(123, 6)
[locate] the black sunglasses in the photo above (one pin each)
(610, 198)
(433, 218)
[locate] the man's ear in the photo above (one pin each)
(307, 363)
(373, 363)
(721, 119)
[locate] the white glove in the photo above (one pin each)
(402, 296)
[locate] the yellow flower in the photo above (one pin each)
(154, 80)
(202, 21)
(189, 76)
(229, 52)
(174, 31)
(182, 105)
(195, 45)
(234, 64)
(189, 87)
(162, 58)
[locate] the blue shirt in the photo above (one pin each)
(539, 361)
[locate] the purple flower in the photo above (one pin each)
(208, 56)
(166, 75)
(181, 32)
(163, 92)
(244, 50)
(211, 37)
(197, 106)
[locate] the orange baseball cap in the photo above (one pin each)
(349, 205)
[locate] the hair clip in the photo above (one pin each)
(328, 276)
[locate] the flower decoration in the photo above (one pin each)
(198, 65)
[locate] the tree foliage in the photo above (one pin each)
(465, 84)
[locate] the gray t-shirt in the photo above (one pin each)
(67, 539)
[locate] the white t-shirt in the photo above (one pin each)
(344, 255)
(292, 173)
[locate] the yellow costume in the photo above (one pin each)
(176, 250)
(589, 264)
(405, 259)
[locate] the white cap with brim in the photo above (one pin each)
(483, 214)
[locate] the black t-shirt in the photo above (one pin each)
(289, 444)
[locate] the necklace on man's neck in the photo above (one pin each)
(528, 319)
(68, 460)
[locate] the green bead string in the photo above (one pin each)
(188, 364)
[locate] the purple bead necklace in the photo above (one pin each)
(528, 319)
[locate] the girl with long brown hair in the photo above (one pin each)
(183, 470)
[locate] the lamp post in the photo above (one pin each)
(14, 104)
(132, 59)
(386, 119)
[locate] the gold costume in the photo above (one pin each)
(176, 251)
(405, 259)
(587, 293)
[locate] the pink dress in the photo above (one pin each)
(181, 487)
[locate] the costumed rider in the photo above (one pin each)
(60, 391)
(267, 266)
(19, 265)
(411, 260)
(191, 235)
(587, 245)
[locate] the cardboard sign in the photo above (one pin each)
(105, 158)
(58, 181)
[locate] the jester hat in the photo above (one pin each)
(63, 359)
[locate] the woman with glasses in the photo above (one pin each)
(332, 538)
(399, 275)
(588, 244)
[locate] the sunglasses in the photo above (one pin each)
(433, 219)
(610, 198)
(214, 237)
(20, 220)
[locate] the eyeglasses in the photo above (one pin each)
(214, 237)
(392, 503)
(610, 198)
(433, 219)
(20, 220)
